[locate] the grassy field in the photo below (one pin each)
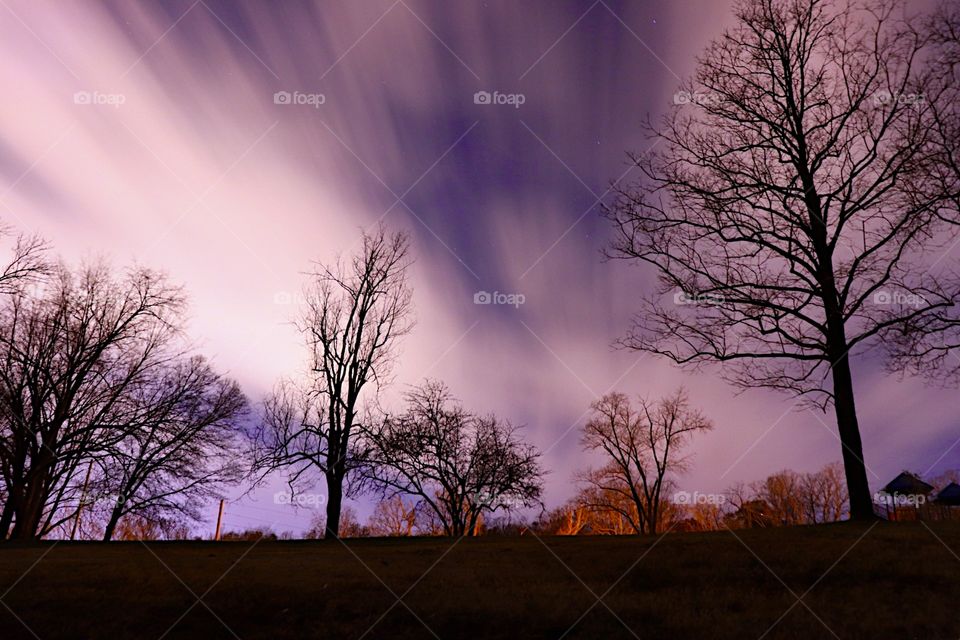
(893, 581)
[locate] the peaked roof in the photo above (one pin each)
(950, 494)
(907, 484)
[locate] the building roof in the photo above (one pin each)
(950, 494)
(907, 484)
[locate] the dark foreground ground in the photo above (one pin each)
(894, 581)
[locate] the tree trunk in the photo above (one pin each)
(861, 503)
(111, 525)
(334, 504)
(29, 515)
(6, 518)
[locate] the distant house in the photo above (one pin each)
(949, 495)
(907, 497)
(908, 485)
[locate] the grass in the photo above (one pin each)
(892, 581)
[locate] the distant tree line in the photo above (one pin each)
(113, 427)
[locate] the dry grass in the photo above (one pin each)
(896, 581)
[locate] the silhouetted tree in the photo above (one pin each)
(179, 445)
(71, 349)
(356, 312)
(928, 343)
(27, 261)
(797, 207)
(823, 495)
(350, 526)
(642, 445)
(459, 465)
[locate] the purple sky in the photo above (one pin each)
(148, 132)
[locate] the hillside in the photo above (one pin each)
(893, 581)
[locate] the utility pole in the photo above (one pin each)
(216, 536)
(83, 499)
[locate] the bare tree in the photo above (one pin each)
(569, 519)
(943, 479)
(459, 465)
(356, 312)
(927, 344)
(796, 209)
(134, 527)
(26, 263)
(702, 516)
(823, 495)
(70, 350)
(787, 498)
(350, 526)
(782, 493)
(394, 518)
(179, 447)
(643, 446)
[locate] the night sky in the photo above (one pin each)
(234, 143)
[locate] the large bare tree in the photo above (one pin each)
(357, 310)
(798, 206)
(643, 449)
(457, 464)
(71, 348)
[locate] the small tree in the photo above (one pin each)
(350, 526)
(394, 518)
(26, 263)
(782, 493)
(356, 312)
(642, 447)
(459, 465)
(569, 519)
(179, 446)
(823, 495)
